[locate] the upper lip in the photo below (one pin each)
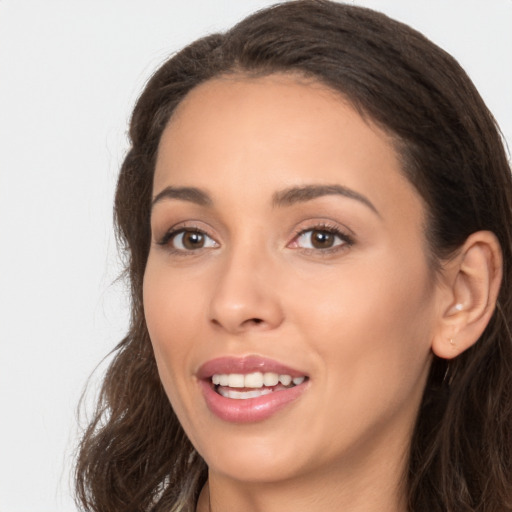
(245, 365)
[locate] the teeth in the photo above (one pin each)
(254, 380)
(285, 380)
(243, 395)
(270, 379)
(236, 380)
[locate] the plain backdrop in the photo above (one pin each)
(70, 72)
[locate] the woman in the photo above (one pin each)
(320, 291)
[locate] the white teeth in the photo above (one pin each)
(236, 380)
(270, 379)
(285, 380)
(243, 395)
(254, 380)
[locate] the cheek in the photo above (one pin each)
(172, 310)
(371, 330)
(173, 303)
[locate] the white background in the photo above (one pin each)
(70, 72)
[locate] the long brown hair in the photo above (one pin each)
(134, 455)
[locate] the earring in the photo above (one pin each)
(458, 307)
(452, 342)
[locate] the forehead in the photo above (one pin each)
(252, 136)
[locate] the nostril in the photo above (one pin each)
(248, 322)
(252, 322)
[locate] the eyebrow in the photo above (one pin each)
(287, 197)
(296, 195)
(190, 194)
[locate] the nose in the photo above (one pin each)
(245, 298)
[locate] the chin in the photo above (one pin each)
(256, 458)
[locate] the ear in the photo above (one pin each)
(471, 284)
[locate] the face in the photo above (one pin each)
(288, 294)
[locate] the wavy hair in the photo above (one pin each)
(134, 455)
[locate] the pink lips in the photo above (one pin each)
(250, 409)
(244, 365)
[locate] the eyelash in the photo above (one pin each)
(174, 232)
(346, 239)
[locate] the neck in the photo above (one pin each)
(351, 490)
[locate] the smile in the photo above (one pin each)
(234, 385)
(249, 389)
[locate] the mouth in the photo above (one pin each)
(238, 386)
(249, 389)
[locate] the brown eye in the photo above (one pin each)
(322, 239)
(190, 240)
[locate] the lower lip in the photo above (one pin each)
(251, 409)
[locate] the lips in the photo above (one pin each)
(244, 365)
(249, 389)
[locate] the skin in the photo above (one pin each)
(359, 318)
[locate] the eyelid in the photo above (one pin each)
(345, 234)
(183, 227)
